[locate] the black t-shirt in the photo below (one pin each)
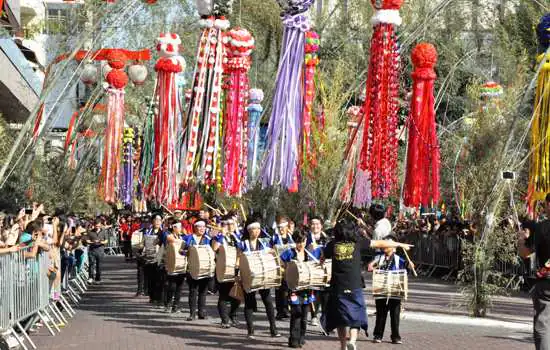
(539, 241)
(96, 236)
(346, 264)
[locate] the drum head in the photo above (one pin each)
(246, 273)
(220, 264)
(194, 262)
(292, 274)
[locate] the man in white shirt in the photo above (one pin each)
(382, 226)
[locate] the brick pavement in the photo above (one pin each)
(110, 318)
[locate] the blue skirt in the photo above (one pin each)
(345, 310)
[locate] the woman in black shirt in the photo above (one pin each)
(346, 305)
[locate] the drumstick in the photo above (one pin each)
(211, 207)
(242, 211)
(410, 263)
(168, 210)
(351, 214)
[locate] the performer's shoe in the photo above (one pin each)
(138, 294)
(351, 346)
(275, 335)
(192, 317)
(377, 340)
(234, 322)
(203, 316)
(251, 336)
(314, 321)
(397, 341)
(226, 325)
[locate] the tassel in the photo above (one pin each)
(539, 170)
(239, 45)
(380, 146)
(281, 165)
(255, 110)
(422, 173)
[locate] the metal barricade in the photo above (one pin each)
(6, 291)
(433, 252)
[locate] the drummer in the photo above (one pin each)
(317, 239)
(346, 308)
(197, 288)
(282, 237)
(299, 300)
(250, 243)
(175, 280)
(227, 237)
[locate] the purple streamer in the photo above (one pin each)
(283, 134)
(127, 175)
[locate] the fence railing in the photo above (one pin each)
(26, 297)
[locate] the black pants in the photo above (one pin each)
(197, 294)
(127, 247)
(298, 324)
(173, 291)
(250, 306)
(161, 285)
(281, 299)
(541, 322)
(142, 286)
(382, 308)
(224, 299)
(150, 273)
(321, 297)
(95, 257)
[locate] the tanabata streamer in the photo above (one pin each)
(539, 171)
(354, 114)
(422, 173)
(380, 146)
(308, 158)
(201, 145)
(127, 180)
(110, 169)
(239, 45)
(280, 165)
(255, 109)
(163, 186)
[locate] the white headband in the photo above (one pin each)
(200, 223)
(283, 224)
(178, 225)
(253, 226)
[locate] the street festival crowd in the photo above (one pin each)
(314, 270)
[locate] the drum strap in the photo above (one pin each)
(311, 256)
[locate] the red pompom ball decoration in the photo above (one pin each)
(387, 4)
(424, 55)
(117, 78)
(116, 59)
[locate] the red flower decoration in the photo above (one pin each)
(387, 4)
(117, 78)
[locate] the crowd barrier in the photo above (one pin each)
(28, 295)
(113, 246)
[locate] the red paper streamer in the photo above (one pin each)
(379, 147)
(422, 174)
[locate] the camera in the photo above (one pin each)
(508, 175)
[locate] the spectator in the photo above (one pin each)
(96, 239)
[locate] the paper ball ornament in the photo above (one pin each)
(89, 74)
(137, 73)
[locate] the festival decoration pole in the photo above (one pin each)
(379, 147)
(539, 170)
(422, 173)
(239, 45)
(163, 186)
(255, 110)
(281, 165)
(110, 169)
(201, 144)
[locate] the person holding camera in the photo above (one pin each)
(97, 240)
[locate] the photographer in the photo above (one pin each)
(96, 240)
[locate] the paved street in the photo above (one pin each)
(110, 318)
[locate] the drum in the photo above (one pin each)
(283, 247)
(260, 270)
(201, 262)
(175, 262)
(308, 274)
(137, 240)
(225, 264)
(150, 247)
(390, 284)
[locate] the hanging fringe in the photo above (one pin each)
(255, 110)
(422, 173)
